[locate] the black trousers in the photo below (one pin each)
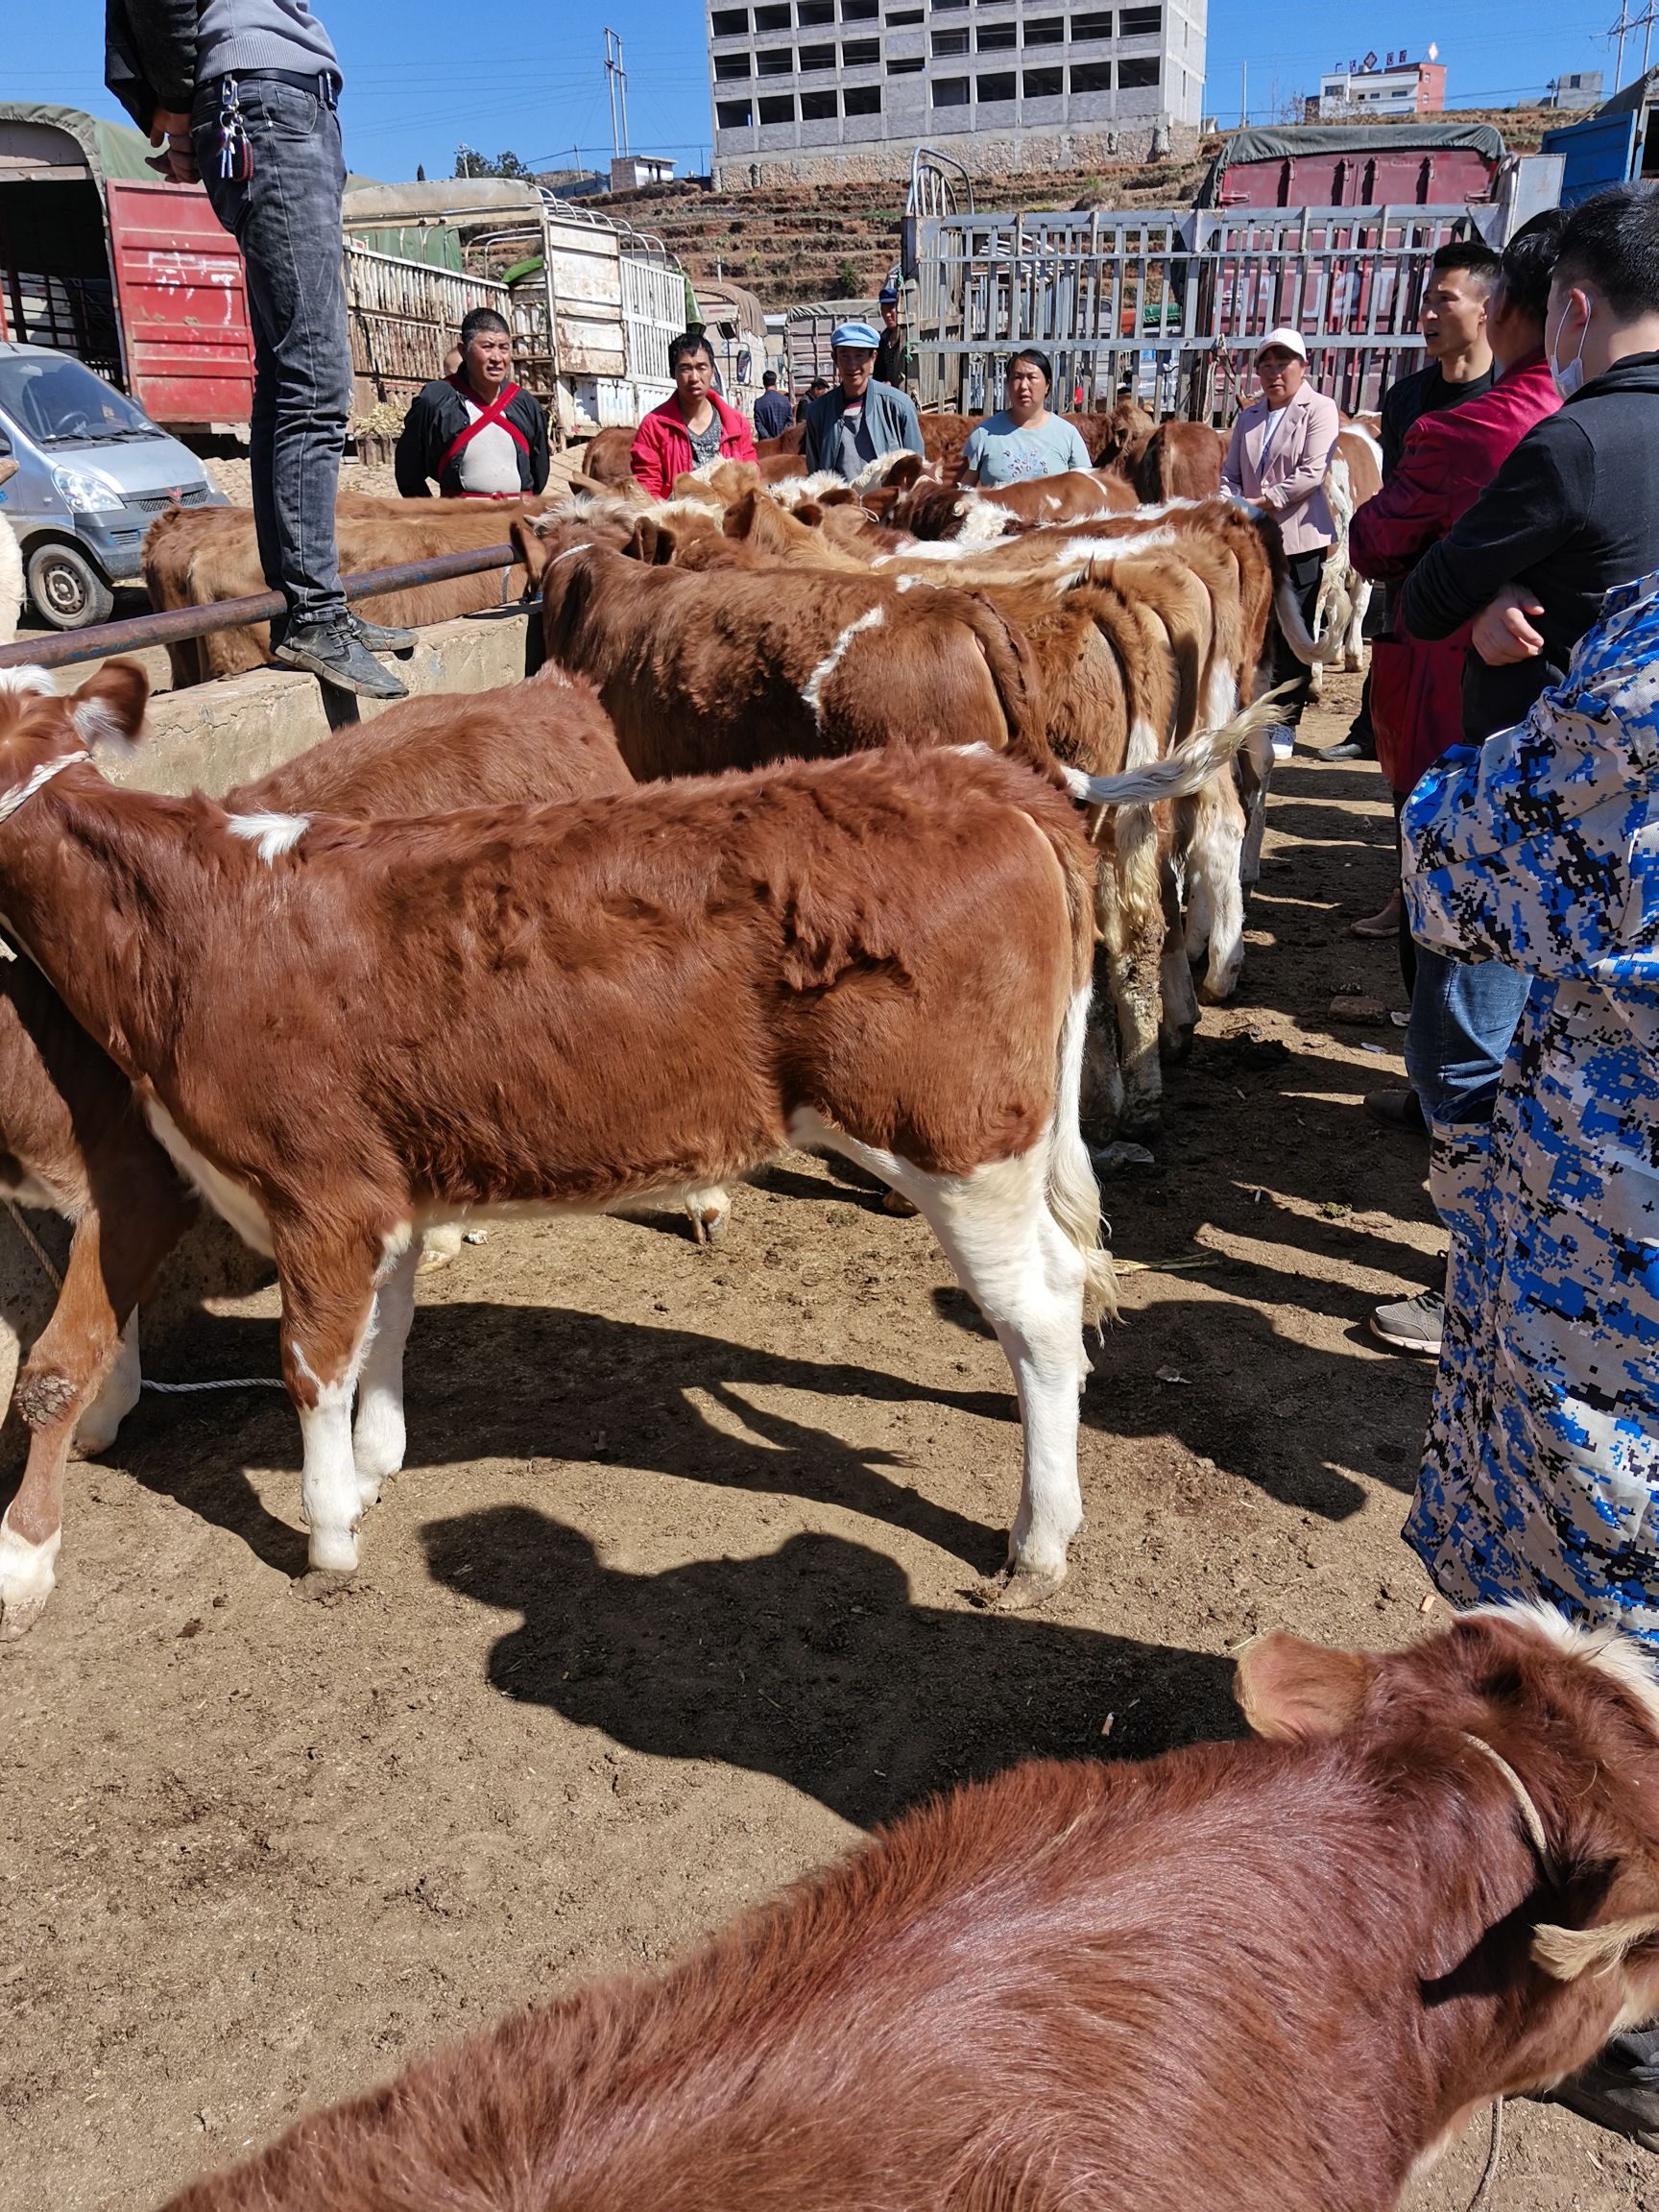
(1303, 572)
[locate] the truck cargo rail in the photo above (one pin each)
(171, 626)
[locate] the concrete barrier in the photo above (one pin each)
(209, 738)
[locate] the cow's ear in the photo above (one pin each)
(108, 709)
(809, 514)
(531, 549)
(1628, 1916)
(904, 471)
(654, 541)
(1289, 1690)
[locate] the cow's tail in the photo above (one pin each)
(1014, 677)
(1069, 1186)
(1183, 770)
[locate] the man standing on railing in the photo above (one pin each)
(476, 434)
(242, 95)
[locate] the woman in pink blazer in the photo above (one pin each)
(1278, 456)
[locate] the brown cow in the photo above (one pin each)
(1179, 461)
(1261, 1975)
(607, 458)
(343, 1032)
(73, 1139)
(194, 557)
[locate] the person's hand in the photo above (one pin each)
(1501, 632)
(178, 164)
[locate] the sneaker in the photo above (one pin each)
(1396, 1109)
(1412, 1324)
(1282, 739)
(1620, 2090)
(380, 636)
(334, 652)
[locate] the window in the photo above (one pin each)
(950, 41)
(772, 19)
(729, 22)
(1137, 22)
(1135, 73)
(1086, 77)
(860, 11)
(939, 5)
(859, 52)
(815, 12)
(732, 65)
(904, 16)
(776, 61)
(950, 91)
(1049, 31)
(910, 68)
(1044, 83)
(817, 107)
(998, 88)
(1092, 25)
(778, 107)
(861, 100)
(734, 114)
(817, 57)
(991, 37)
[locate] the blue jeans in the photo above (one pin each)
(1463, 1015)
(286, 218)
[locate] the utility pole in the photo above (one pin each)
(1243, 95)
(616, 85)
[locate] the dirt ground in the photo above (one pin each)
(669, 1603)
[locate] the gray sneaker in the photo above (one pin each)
(380, 636)
(1412, 1324)
(334, 652)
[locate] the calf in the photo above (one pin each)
(1179, 461)
(72, 1137)
(1257, 1975)
(608, 457)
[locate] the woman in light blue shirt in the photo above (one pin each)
(1024, 439)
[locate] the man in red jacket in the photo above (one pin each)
(695, 426)
(1417, 685)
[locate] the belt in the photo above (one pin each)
(323, 82)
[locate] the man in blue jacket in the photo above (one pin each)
(857, 420)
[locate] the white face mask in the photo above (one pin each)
(1568, 379)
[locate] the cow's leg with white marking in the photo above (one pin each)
(377, 1435)
(1214, 861)
(1028, 1280)
(328, 1305)
(117, 1394)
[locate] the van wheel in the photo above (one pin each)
(66, 589)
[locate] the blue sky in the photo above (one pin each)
(424, 75)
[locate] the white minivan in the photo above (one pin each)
(93, 473)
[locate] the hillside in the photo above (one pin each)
(791, 244)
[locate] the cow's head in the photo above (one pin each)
(1551, 1734)
(43, 731)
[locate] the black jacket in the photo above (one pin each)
(889, 366)
(150, 55)
(1573, 511)
(437, 417)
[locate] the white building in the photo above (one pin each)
(1394, 86)
(807, 87)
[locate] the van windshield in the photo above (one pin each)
(59, 402)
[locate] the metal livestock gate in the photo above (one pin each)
(402, 318)
(1170, 304)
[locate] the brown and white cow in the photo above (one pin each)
(343, 1032)
(73, 1139)
(1261, 1975)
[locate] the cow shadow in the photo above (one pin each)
(812, 1663)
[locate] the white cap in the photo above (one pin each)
(1290, 340)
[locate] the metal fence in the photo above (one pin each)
(1170, 304)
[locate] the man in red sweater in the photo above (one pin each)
(1419, 704)
(694, 426)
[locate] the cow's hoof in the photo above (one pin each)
(710, 1229)
(896, 1202)
(28, 1574)
(322, 1584)
(332, 1551)
(1018, 1588)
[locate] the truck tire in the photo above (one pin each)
(65, 589)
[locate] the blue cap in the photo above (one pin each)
(854, 334)
(888, 295)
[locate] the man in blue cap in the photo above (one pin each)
(857, 420)
(890, 353)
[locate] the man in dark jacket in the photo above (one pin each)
(889, 366)
(773, 413)
(1574, 512)
(476, 435)
(243, 94)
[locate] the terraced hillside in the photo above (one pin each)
(792, 244)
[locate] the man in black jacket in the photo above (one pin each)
(476, 435)
(243, 94)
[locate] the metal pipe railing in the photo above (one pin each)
(176, 623)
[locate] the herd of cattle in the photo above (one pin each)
(824, 812)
